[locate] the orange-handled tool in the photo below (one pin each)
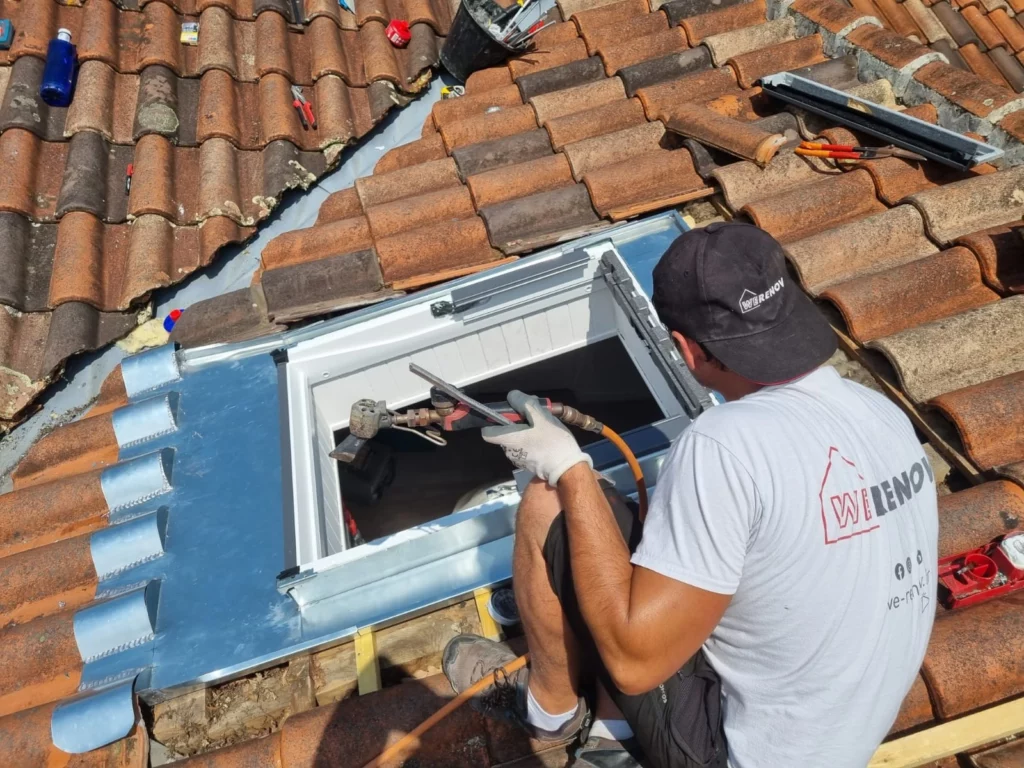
(850, 152)
(305, 110)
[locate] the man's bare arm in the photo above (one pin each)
(645, 625)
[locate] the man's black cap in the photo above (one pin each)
(726, 286)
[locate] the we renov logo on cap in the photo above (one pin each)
(750, 300)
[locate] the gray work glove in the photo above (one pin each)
(543, 446)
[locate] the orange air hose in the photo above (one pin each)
(399, 749)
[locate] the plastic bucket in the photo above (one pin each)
(468, 46)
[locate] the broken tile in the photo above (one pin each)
(988, 417)
(636, 50)
(511, 181)
(439, 246)
(615, 116)
(999, 252)
(736, 16)
(323, 286)
(970, 518)
(527, 223)
(599, 151)
(847, 251)
(572, 100)
(972, 204)
(986, 631)
(736, 42)
(656, 179)
(486, 155)
(805, 211)
(417, 211)
(957, 352)
(732, 136)
(930, 288)
(751, 67)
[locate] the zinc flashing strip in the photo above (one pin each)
(150, 369)
(145, 420)
(116, 625)
(95, 720)
(136, 481)
(119, 547)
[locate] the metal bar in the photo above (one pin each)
(461, 396)
(488, 626)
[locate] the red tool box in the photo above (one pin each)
(984, 573)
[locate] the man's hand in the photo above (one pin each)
(543, 446)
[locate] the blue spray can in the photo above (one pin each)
(59, 74)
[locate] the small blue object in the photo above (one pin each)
(346, 5)
(6, 34)
(171, 319)
(59, 74)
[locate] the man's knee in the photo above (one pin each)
(539, 506)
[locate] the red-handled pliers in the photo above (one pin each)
(850, 152)
(305, 110)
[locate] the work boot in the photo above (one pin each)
(468, 658)
(607, 753)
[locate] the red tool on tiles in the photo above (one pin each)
(398, 33)
(850, 152)
(305, 110)
(984, 573)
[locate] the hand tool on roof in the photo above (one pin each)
(305, 110)
(129, 172)
(452, 410)
(850, 152)
(981, 574)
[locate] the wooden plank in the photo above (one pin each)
(931, 425)
(367, 668)
(489, 628)
(174, 718)
(951, 738)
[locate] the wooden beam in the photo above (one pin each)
(489, 628)
(367, 668)
(929, 423)
(952, 738)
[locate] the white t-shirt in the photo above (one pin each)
(813, 504)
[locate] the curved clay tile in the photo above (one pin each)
(998, 250)
(989, 418)
(41, 663)
(487, 127)
(551, 106)
(449, 111)
(752, 66)
(976, 203)
(512, 181)
(735, 42)
(714, 22)
(614, 116)
(411, 212)
(442, 245)
(633, 51)
(969, 519)
(531, 222)
(431, 147)
(632, 28)
(76, 447)
(657, 179)
(662, 99)
(42, 581)
(599, 151)
(746, 182)
(614, 15)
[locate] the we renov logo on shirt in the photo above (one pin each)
(750, 300)
(850, 506)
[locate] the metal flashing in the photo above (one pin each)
(150, 369)
(124, 622)
(119, 547)
(145, 420)
(94, 720)
(138, 480)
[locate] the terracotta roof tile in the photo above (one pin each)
(326, 285)
(493, 125)
(34, 169)
(42, 663)
(22, 108)
(656, 179)
(1009, 67)
(981, 65)
(1003, 756)
(538, 60)
(747, 106)
(985, 634)
(848, 251)
(612, 15)
(732, 136)
(959, 29)
(486, 155)
(624, 54)
(984, 28)
(895, 179)
(988, 417)
(972, 204)
(550, 106)
(977, 515)
(678, 10)
(575, 72)
(45, 580)
(998, 250)
(419, 210)
(235, 316)
(663, 68)
(927, 21)
(957, 352)
(449, 111)
(420, 151)
(405, 182)
(527, 223)
(555, 34)
(930, 288)
(835, 17)
(798, 213)
(322, 241)
(735, 42)
(570, 7)
(1010, 29)
(77, 447)
(899, 19)
(751, 67)
(599, 151)
(486, 79)
(438, 246)
(614, 36)
(894, 49)
(511, 181)
(337, 52)
(614, 116)
(916, 709)
(745, 182)
(659, 100)
(966, 90)
(733, 17)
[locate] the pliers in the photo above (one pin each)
(305, 110)
(850, 152)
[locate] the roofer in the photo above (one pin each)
(775, 608)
